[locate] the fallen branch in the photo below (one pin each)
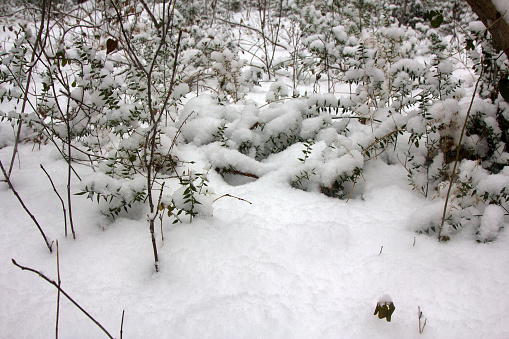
(52, 282)
(231, 196)
(234, 171)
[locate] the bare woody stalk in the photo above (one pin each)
(152, 136)
(35, 56)
(68, 119)
(276, 35)
(155, 121)
(494, 21)
(58, 295)
(421, 325)
(52, 282)
(458, 150)
(61, 201)
(264, 14)
(156, 114)
(150, 14)
(122, 325)
(9, 183)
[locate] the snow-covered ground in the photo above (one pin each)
(272, 261)
(292, 264)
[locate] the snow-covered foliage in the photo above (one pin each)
(154, 98)
(109, 107)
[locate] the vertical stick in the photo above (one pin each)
(52, 282)
(154, 243)
(59, 197)
(58, 295)
(162, 234)
(69, 168)
(458, 149)
(122, 324)
(29, 78)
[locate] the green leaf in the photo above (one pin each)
(436, 18)
(470, 44)
(445, 238)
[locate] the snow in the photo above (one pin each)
(263, 259)
(393, 32)
(292, 264)
(407, 65)
(385, 299)
(476, 26)
(503, 8)
(494, 182)
(180, 91)
(491, 222)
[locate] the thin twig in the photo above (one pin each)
(253, 29)
(151, 221)
(152, 17)
(59, 197)
(458, 149)
(232, 171)
(52, 282)
(122, 324)
(378, 139)
(58, 295)
(8, 181)
(231, 196)
(280, 99)
(419, 314)
(29, 78)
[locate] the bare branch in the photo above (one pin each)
(8, 181)
(52, 282)
(59, 197)
(232, 196)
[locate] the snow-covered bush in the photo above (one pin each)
(193, 198)
(329, 167)
(228, 69)
(115, 99)
(278, 90)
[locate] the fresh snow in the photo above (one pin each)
(503, 8)
(291, 264)
(264, 259)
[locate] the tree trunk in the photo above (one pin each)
(494, 21)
